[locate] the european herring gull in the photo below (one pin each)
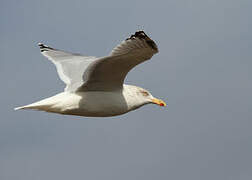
(95, 86)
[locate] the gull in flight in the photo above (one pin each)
(95, 86)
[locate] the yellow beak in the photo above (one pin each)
(158, 102)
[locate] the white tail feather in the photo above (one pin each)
(18, 108)
(44, 105)
(32, 106)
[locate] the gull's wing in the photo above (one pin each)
(108, 73)
(70, 67)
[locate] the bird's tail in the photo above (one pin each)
(35, 106)
(21, 107)
(43, 105)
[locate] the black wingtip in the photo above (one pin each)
(138, 34)
(43, 47)
(141, 35)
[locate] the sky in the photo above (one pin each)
(202, 70)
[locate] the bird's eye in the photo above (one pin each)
(144, 93)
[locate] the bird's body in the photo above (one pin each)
(95, 85)
(91, 103)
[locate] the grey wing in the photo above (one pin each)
(70, 66)
(108, 73)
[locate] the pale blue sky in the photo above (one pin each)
(203, 71)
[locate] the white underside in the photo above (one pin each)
(93, 103)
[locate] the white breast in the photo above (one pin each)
(90, 103)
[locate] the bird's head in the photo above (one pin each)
(148, 98)
(137, 97)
